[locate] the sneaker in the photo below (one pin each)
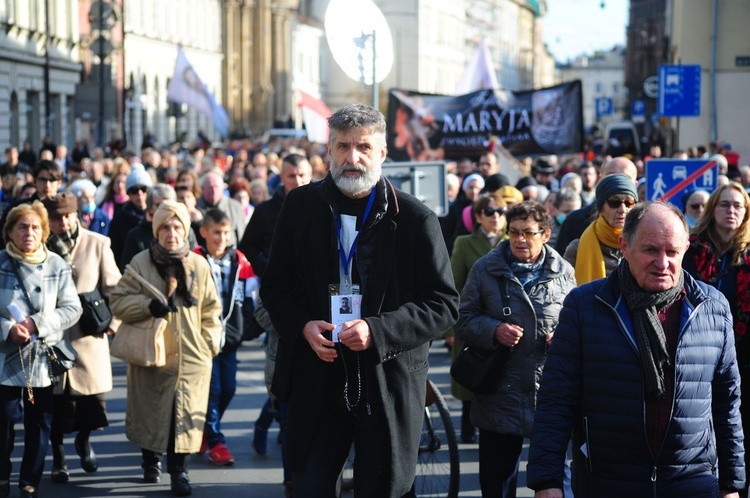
(220, 455)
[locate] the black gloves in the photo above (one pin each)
(159, 309)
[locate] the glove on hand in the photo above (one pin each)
(158, 309)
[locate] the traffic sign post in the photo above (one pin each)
(604, 106)
(680, 90)
(638, 111)
(670, 179)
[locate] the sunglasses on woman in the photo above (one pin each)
(488, 211)
(616, 203)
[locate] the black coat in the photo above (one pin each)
(256, 242)
(124, 221)
(409, 299)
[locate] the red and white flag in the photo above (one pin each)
(315, 114)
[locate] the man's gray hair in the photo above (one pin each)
(636, 215)
(566, 194)
(357, 117)
(162, 191)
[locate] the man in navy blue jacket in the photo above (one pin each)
(643, 371)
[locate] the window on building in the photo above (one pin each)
(15, 132)
(32, 119)
(599, 87)
(615, 88)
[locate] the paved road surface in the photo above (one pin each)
(253, 476)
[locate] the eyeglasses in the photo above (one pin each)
(140, 188)
(616, 203)
(696, 206)
(42, 179)
(527, 234)
(488, 211)
(726, 205)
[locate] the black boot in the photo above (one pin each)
(60, 472)
(89, 462)
(468, 431)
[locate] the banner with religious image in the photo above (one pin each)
(428, 127)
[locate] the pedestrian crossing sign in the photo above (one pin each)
(670, 179)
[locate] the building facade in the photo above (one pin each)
(39, 71)
(725, 79)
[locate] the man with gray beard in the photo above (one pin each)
(357, 377)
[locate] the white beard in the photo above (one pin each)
(354, 186)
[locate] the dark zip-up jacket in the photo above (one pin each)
(593, 385)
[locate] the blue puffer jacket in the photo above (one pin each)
(592, 384)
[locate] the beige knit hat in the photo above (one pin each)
(167, 210)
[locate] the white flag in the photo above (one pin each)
(479, 73)
(186, 87)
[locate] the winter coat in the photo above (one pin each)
(612, 256)
(467, 249)
(238, 307)
(408, 299)
(99, 222)
(93, 267)
(593, 385)
(122, 222)
(493, 295)
(50, 286)
(256, 242)
(192, 339)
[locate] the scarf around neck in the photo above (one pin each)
(649, 332)
(32, 258)
(590, 259)
(173, 267)
(64, 243)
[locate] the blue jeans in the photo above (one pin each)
(223, 387)
(37, 423)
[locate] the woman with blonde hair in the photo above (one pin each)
(39, 302)
(719, 255)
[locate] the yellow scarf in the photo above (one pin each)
(590, 260)
(32, 258)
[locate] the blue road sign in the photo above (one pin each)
(670, 179)
(604, 106)
(639, 107)
(680, 90)
(638, 111)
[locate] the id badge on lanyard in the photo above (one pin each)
(346, 298)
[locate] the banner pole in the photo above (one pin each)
(374, 66)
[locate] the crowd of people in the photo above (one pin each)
(616, 315)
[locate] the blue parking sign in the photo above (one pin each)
(680, 90)
(604, 106)
(670, 179)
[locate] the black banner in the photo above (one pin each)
(427, 127)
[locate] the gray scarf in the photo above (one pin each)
(649, 333)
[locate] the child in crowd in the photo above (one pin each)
(236, 283)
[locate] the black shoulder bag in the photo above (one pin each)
(96, 316)
(478, 370)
